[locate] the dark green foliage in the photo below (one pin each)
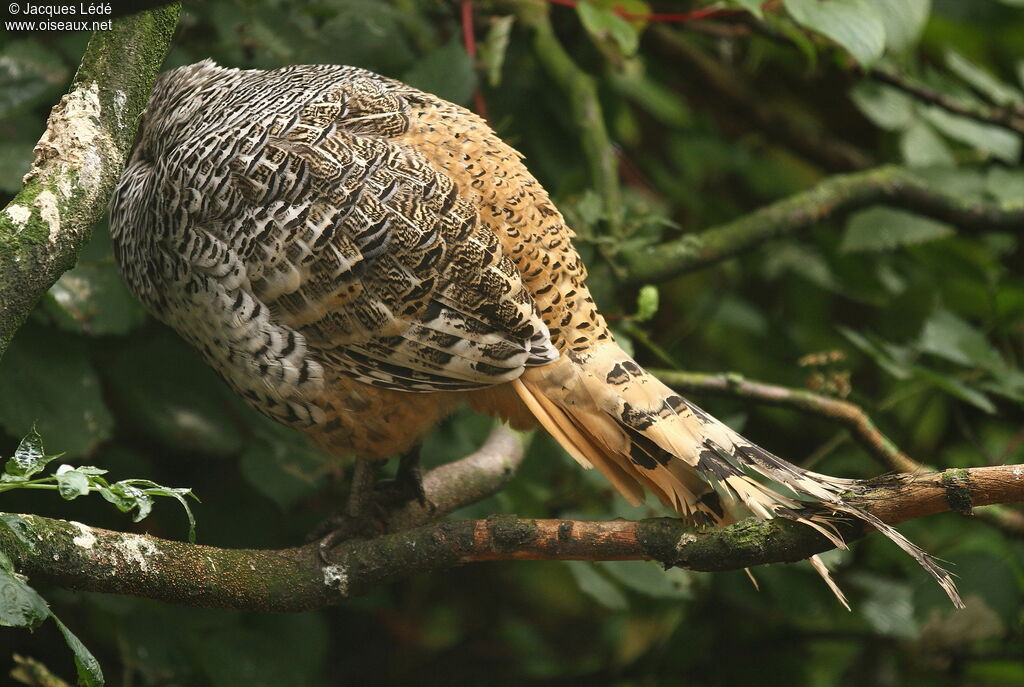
(930, 316)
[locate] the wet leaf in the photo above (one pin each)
(71, 483)
(20, 605)
(88, 668)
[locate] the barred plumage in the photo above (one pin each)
(355, 257)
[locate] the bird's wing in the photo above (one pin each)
(360, 244)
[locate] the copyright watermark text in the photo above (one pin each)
(40, 16)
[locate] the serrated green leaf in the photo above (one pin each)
(904, 21)
(494, 47)
(881, 228)
(20, 605)
(71, 483)
(921, 146)
(948, 336)
(982, 81)
(854, 24)
(47, 379)
(88, 668)
(596, 586)
(446, 72)
(885, 106)
(29, 458)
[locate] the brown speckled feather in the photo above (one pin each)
(355, 257)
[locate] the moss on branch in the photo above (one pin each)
(78, 160)
(837, 195)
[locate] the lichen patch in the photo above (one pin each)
(19, 214)
(336, 577)
(137, 551)
(86, 539)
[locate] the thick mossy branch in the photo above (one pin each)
(78, 160)
(837, 195)
(79, 557)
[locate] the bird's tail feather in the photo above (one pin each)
(609, 413)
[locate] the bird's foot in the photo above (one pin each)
(407, 484)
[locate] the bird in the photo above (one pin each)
(356, 258)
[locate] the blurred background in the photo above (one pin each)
(920, 322)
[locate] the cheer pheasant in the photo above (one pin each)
(356, 257)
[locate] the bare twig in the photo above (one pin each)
(887, 185)
(845, 413)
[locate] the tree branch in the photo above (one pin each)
(1009, 118)
(742, 101)
(78, 160)
(837, 195)
(80, 557)
(845, 413)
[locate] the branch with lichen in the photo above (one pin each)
(78, 160)
(76, 556)
(888, 185)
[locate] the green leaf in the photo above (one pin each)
(281, 463)
(494, 47)
(46, 379)
(885, 106)
(651, 579)
(752, 6)
(988, 138)
(1005, 185)
(603, 24)
(896, 360)
(88, 668)
(28, 459)
(921, 146)
(888, 606)
(646, 303)
(71, 483)
(904, 21)
(126, 497)
(20, 605)
(19, 527)
(596, 586)
(956, 388)
(854, 24)
(446, 72)
(882, 229)
(952, 338)
(91, 297)
(997, 91)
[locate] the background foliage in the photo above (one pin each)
(710, 120)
